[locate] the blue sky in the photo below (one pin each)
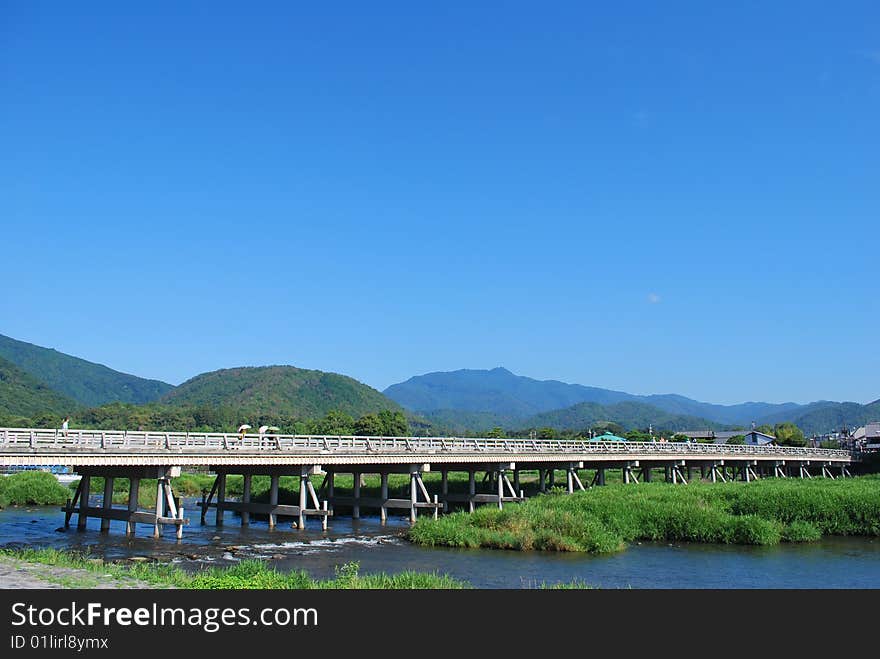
(653, 197)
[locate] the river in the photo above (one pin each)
(830, 563)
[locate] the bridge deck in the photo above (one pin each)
(19, 446)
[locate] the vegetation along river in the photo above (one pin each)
(835, 562)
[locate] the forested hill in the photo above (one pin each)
(630, 415)
(85, 382)
(280, 390)
(825, 416)
(500, 392)
(22, 395)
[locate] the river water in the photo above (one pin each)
(831, 563)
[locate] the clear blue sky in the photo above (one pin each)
(653, 197)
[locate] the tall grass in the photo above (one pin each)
(246, 575)
(605, 519)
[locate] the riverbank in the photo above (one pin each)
(39, 568)
(606, 519)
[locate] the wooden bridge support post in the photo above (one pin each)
(552, 478)
(516, 481)
(500, 488)
(273, 499)
(134, 491)
(331, 489)
(412, 497)
(542, 484)
(356, 506)
(472, 489)
(444, 488)
(85, 487)
(246, 499)
(383, 511)
(107, 503)
(303, 500)
(703, 472)
(221, 498)
(600, 476)
(160, 506)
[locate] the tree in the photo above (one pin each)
(368, 425)
(393, 424)
(737, 439)
(678, 437)
(546, 433)
(496, 433)
(335, 422)
(765, 428)
(788, 434)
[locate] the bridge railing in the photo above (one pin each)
(38, 439)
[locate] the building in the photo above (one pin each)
(752, 437)
(872, 436)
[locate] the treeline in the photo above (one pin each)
(787, 434)
(387, 423)
(204, 418)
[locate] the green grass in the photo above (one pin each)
(603, 520)
(39, 488)
(246, 575)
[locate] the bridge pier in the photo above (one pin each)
(107, 502)
(273, 499)
(106, 512)
(85, 485)
(629, 474)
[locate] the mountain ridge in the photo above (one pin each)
(500, 391)
(87, 383)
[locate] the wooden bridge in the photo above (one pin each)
(161, 455)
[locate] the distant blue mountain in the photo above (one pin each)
(500, 392)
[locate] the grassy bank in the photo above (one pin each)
(604, 519)
(250, 574)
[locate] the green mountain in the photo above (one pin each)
(631, 415)
(463, 421)
(825, 416)
(85, 382)
(280, 390)
(500, 392)
(23, 395)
